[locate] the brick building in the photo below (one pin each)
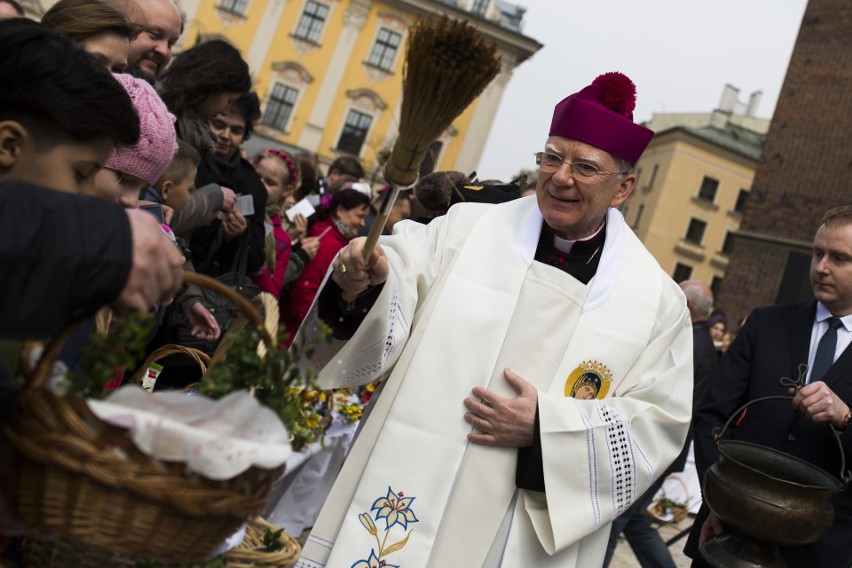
(805, 168)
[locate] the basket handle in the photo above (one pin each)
(845, 476)
(51, 352)
(244, 305)
(201, 358)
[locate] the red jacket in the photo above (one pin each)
(305, 288)
(273, 283)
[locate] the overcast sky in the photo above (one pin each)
(680, 54)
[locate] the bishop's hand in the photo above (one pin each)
(353, 274)
(502, 421)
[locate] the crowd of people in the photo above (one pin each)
(530, 348)
(174, 141)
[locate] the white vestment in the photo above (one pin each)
(465, 300)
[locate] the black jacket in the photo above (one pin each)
(239, 175)
(61, 255)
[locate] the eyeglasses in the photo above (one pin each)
(551, 162)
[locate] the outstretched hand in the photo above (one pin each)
(204, 325)
(353, 274)
(502, 421)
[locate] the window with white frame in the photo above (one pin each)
(279, 106)
(234, 6)
(354, 132)
(479, 7)
(383, 54)
(312, 21)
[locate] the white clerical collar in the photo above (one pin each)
(564, 245)
(823, 314)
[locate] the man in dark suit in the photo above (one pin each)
(774, 343)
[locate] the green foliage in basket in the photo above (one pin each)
(274, 379)
(106, 355)
(272, 540)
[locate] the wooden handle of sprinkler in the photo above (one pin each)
(376, 231)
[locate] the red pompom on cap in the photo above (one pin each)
(618, 93)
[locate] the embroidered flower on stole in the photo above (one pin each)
(395, 509)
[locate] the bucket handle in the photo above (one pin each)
(845, 476)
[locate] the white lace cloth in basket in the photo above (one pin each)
(218, 439)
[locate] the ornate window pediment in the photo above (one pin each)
(366, 100)
(292, 72)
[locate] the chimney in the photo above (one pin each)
(729, 98)
(753, 101)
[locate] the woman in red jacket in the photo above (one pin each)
(338, 224)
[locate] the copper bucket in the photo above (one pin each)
(767, 498)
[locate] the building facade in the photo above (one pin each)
(693, 181)
(805, 167)
(329, 72)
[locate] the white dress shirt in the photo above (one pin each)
(844, 335)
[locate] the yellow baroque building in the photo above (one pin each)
(693, 182)
(329, 72)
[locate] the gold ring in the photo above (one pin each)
(342, 268)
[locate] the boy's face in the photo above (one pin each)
(229, 130)
(178, 195)
(67, 167)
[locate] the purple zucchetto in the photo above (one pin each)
(602, 115)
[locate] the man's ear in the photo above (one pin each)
(12, 138)
(625, 188)
(164, 189)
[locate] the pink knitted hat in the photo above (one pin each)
(602, 115)
(157, 144)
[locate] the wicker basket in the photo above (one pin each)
(264, 303)
(79, 478)
(62, 553)
(251, 554)
(199, 357)
(665, 510)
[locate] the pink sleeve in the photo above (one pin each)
(272, 283)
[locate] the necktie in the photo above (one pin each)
(825, 350)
